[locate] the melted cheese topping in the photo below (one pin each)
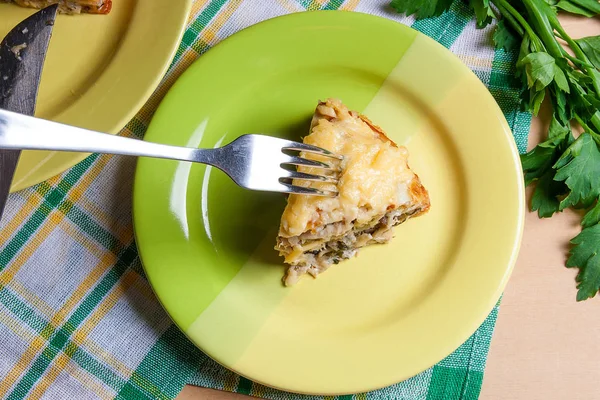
(375, 174)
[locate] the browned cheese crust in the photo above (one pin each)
(377, 190)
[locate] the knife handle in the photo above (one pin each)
(22, 132)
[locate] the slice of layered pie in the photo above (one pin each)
(377, 190)
(69, 6)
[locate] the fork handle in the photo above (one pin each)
(18, 131)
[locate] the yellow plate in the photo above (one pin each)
(99, 71)
(391, 312)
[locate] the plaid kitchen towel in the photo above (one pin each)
(77, 316)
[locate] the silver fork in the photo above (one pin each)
(256, 162)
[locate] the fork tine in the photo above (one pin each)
(311, 149)
(293, 160)
(308, 191)
(310, 177)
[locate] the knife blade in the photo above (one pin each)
(22, 55)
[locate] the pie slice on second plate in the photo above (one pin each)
(68, 6)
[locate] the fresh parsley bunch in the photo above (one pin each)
(564, 169)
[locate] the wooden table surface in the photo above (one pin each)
(546, 345)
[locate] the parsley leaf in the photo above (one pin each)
(588, 8)
(538, 161)
(592, 217)
(558, 132)
(545, 196)
(579, 168)
(537, 165)
(504, 38)
(483, 12)
(562, 111)
(591, 47)
(421, 8)
(584, 255)
(540, 70)
(536, 102)
(561, 79)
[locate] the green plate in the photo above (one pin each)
(395, 310)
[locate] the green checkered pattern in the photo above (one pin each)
(77, 316)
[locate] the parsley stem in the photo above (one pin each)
(576, 61)
(545, 19)
(581, 122)
(511, 20)
(595, 120)
(535, 40)
(589, 69)
(537, 10)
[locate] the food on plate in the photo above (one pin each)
(69, 6)
(377, 190)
